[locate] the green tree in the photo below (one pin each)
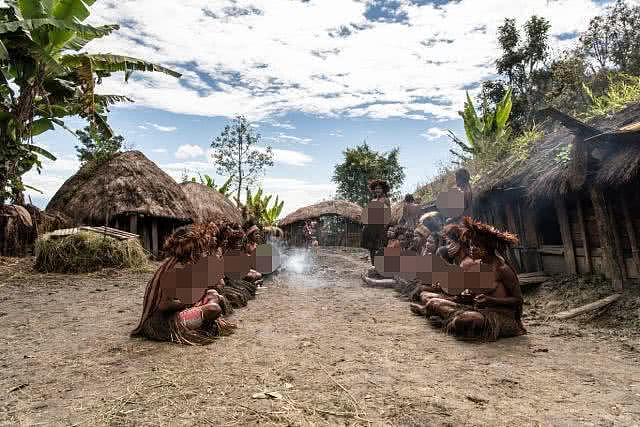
(362, 164)
(256, 207)
(613, 39)
(40, 43)
(236, 153)
(523, 67)
(487, 133)
(94, 146)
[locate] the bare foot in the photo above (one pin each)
(418, 309)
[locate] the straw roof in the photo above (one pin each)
(129, 183)
(332, 207)
(209, 205)
(612, 156)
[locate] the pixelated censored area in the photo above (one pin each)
(188, 283)
(376, 212)
(267, 259)
(450, 203)
(478, 278)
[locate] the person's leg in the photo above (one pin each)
(372, 256)
(468, 324)
(441, 307)
(420, 308)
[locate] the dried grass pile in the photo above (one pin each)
(85, 252)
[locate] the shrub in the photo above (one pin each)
(85, 252)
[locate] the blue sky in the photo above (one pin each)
(314, 76)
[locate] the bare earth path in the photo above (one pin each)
(328, 350)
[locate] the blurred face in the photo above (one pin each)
(378, 191)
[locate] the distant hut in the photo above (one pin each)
(128, 192)
(209, 205)
(339, 223)
(574, 201)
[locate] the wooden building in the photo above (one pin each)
(128, 192)
(338, 223)
(574, 202)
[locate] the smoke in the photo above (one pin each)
(299, 261)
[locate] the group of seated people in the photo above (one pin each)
(209, 270)
(470, 246)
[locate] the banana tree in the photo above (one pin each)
(486, 133)
(211, 183)
(271, 215)
(45, 76)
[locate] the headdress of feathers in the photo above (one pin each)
(488, 236)
(189, 243)
(379, 183)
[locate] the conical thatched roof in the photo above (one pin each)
(129, 183)
(209, 205)
(332, 207)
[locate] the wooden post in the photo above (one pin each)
(607, 239)
(146, 235)
(633, 237)
(133, 224)
(154, 236)
(565, 233)
(617, 240)
(531, 234)
(585, 238)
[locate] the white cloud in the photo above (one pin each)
(189, 151)
(159, 150)
(297, 193)
(282, 137)
(289, 157)
(160, 128)
(292, 61)
(142, 127)
(434, 133)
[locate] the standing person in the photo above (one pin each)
(376, 217)
(308, 233)
(463, 183)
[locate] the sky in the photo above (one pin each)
(313, 76)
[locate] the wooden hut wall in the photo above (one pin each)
(541, 229)
(348, 232)
(153, 231)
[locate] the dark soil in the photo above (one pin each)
(315, 347)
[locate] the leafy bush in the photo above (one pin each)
(623, 89)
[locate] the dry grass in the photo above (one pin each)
(85, 252)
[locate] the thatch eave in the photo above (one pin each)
(127, 184)
(342, 208)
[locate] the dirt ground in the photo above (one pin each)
(325, 349)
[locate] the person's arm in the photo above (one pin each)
(510, 282)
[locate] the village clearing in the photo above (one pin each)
(312, 348)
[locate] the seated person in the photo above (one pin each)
(457, 251)
(253, 238)
(165, 317)
(496, 314)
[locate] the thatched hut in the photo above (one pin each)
(209, 205)
(339, 223)
(128, 192)
(574, 201)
